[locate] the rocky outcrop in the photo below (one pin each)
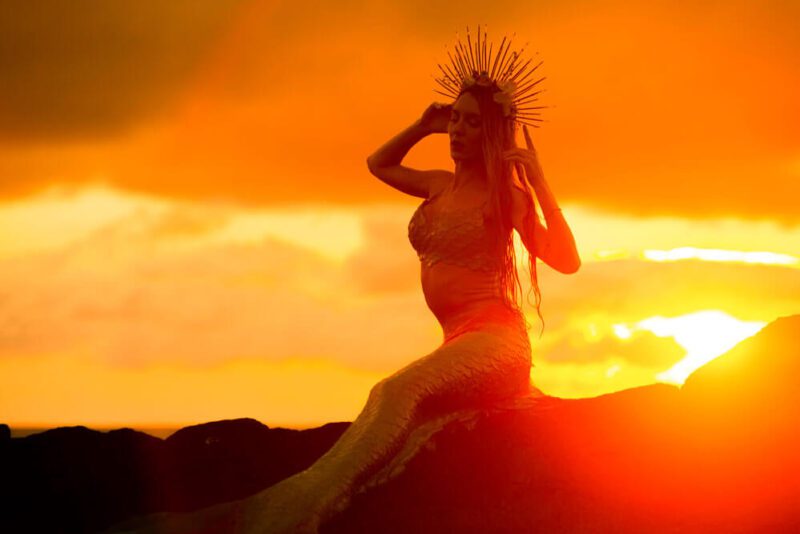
(86, 480)
(716, 455)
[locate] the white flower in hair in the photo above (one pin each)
(505, 96)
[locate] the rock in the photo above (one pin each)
(756, 372)
(87, 480)
(721, 451)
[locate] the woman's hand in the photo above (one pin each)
(435, 118)
(527, 157)
(558, 249)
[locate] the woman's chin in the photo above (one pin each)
(460, 156)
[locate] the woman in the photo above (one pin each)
(462, 233)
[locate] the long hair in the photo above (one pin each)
(498, 135)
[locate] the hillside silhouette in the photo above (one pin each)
(718, 454)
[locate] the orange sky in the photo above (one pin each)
(188, 230)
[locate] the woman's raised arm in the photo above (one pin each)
(555, 245)
(385, 163)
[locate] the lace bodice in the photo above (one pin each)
(457, 236)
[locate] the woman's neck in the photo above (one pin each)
(469, 174)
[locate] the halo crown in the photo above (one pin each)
(508, 77)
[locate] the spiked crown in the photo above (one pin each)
(510, 79)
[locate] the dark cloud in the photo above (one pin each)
(89, 67)
(661, 108)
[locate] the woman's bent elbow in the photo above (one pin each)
(567, 264)
(572, 267)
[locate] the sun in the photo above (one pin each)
(704, 334)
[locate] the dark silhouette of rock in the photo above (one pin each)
(717, 455)
(229, 460)
(86, 480)
(5, 433)
(75, 479)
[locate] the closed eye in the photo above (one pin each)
(473, 119)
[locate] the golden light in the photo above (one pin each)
(622, 331)
(757, 257)
(704, 334)
(615, 254)
(60, 217)
(100, 395)
(336, 234)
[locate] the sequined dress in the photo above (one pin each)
(483, 360)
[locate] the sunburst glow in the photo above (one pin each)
(704, 334)
(687, 253)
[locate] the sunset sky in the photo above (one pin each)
(189, 232)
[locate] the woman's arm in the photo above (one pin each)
(385, 163)
(555, 245)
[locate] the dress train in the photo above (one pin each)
(478, 368)
(488, 367)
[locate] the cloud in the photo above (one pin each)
(144, 280)
(152, 295)
(643, 349)
(132, 295)
(90, 68)
(127, 295)
(660, 108)
(188, 222)
(625, 289)
(386, 263)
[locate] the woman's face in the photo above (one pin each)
(464, 129)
